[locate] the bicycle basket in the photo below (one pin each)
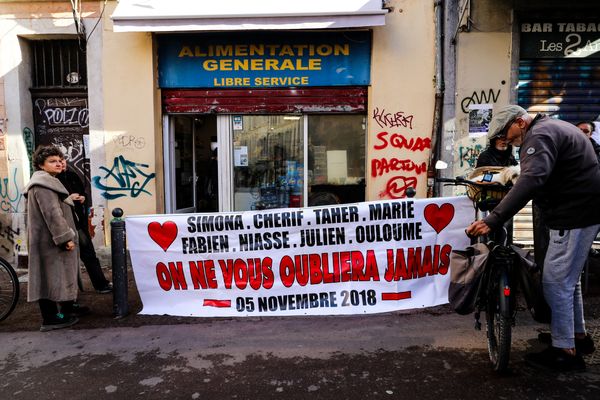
(485, 190)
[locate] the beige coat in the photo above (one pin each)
(52, 270)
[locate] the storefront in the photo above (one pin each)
(258, 120)
(559, 68)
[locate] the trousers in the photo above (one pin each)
(90, 260)
(561, 279)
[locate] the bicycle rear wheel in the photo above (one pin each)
(499, 327)
(9, 289)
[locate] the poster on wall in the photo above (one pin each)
(480, 116)
(359, 258)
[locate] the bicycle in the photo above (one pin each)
(9, 289)
(497, 293)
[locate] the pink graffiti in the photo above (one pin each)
(381, 166)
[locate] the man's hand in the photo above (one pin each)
(478, 228)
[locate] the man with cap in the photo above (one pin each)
(559, 170)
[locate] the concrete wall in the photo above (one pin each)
(401, 101)
(20, 21)
(131, 128)
(483, 76)
(125, 132)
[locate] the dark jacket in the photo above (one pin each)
(73, 184)
(596, 149)
(559, 170)
(492, 157)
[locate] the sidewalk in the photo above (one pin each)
(423, 354)
(408, 356)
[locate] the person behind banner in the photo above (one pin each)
(497, 154)
(87, 253)
(53, 260)
(559, 171)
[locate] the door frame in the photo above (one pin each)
(225, 162)
(169, 157)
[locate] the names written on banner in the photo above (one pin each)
(343, 259)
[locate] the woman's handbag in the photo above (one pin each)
(466, 272)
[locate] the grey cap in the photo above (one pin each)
(501, 118)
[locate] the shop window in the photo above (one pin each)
(268, 158)
(336, 159)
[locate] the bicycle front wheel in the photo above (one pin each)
(9, 289)
(499, 321)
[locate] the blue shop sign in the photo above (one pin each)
(261, 59)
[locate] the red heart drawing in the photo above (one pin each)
(439, 217)
(163, 234)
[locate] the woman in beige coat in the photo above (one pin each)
(51, 232)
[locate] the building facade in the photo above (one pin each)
(171, 108)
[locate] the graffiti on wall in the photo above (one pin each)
(129, 141)
(12, 236)
(63, 121)
(124, 178)
(481, 97)
(467, 155)
(29, 146)
(396, 135)
(10, 194)
(63, 112)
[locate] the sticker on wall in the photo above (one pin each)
(238, 125)
(480, 116)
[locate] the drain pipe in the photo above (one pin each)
(436, 131)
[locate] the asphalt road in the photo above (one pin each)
(424, 354)
(389, 356)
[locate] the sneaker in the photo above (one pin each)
(59, 322)
(583, 346)
(555, 359)
(106, 289)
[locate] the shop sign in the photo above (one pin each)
(545, 39)
(360, 258)
(226, 60)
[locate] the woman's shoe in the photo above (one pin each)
(60, 321)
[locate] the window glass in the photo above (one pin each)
(268, 161)
(184, 162)
(336, 159)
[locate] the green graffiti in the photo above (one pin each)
(29, 145)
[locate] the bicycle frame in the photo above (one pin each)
(497, 296)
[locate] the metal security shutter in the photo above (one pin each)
(252, 101)
(566, 88)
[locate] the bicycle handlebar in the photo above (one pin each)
(460, 181)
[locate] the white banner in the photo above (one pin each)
(357, 258)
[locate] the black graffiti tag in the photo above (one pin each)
(389, 120)
(479, 98)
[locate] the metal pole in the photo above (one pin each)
(119, 264)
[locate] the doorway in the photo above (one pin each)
(192, 156)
